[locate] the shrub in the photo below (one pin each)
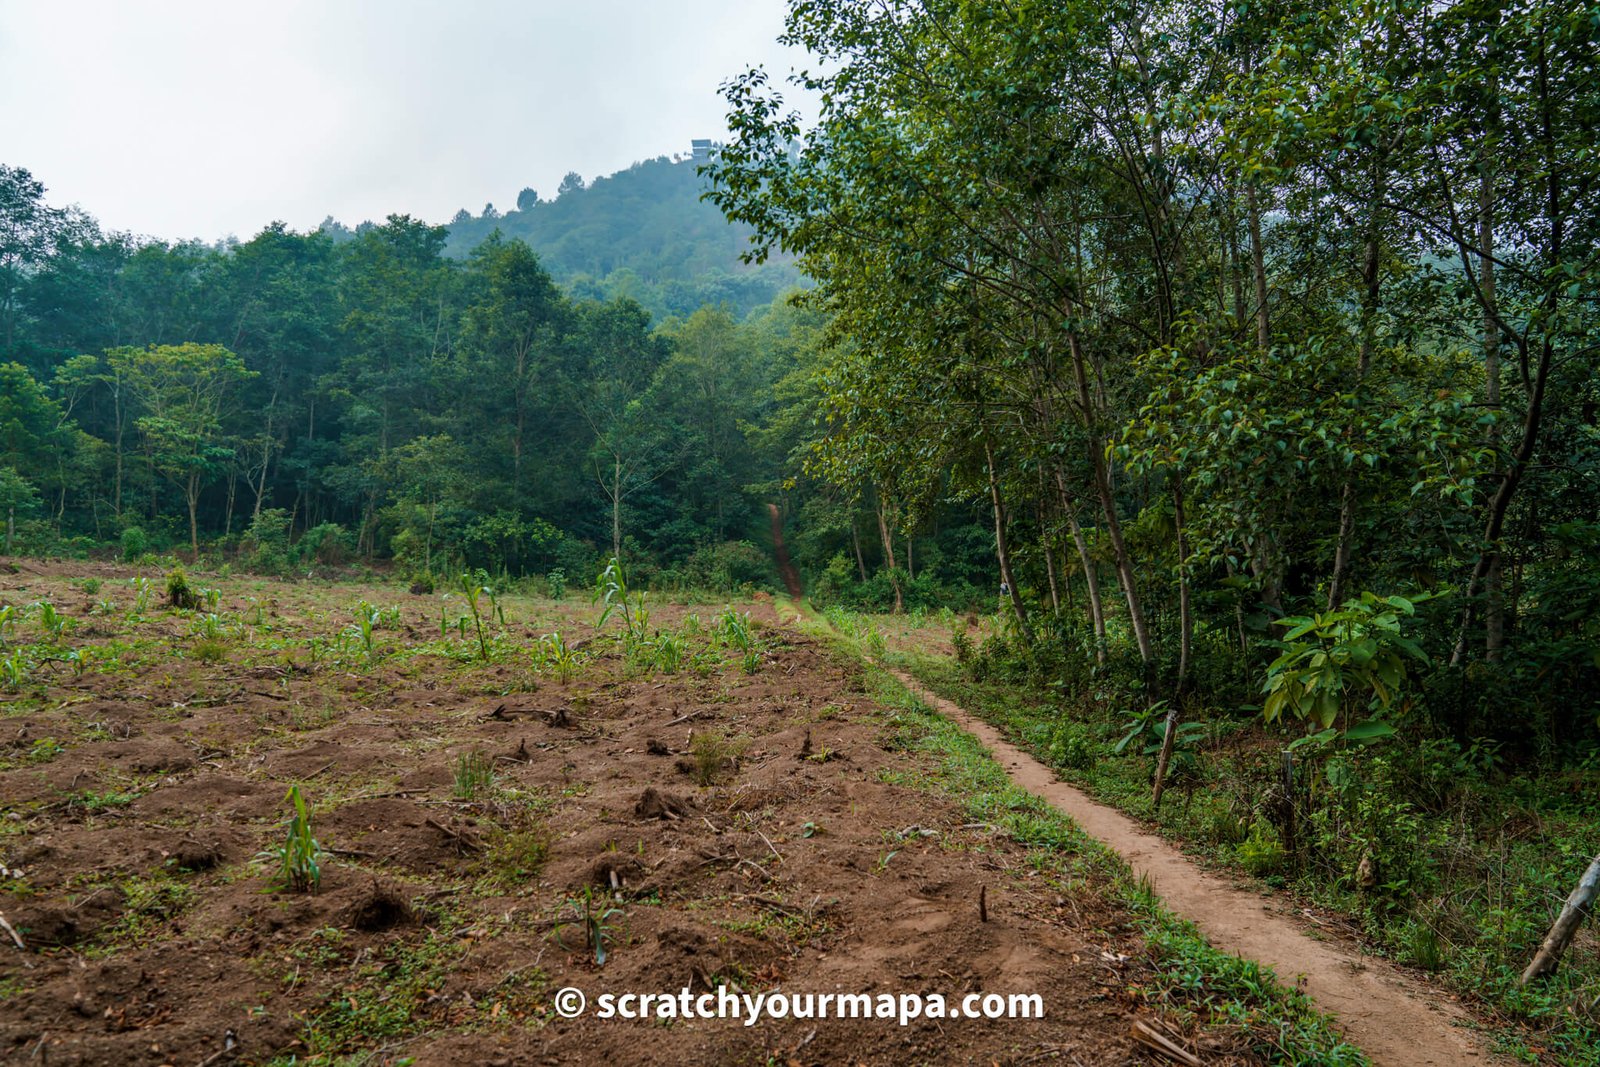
(134, 544)
(179, 594)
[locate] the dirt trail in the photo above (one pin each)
(1397, 1021)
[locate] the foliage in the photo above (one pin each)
(1335, 663)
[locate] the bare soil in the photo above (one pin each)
(780, 850)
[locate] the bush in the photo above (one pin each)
(267, 542)
(328, 544)
(134, 544)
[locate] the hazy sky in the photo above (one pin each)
(203, 119)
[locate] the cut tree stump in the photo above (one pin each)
(1555, 942)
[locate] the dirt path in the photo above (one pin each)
(1394, 1019)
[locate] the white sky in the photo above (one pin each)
(203, 119)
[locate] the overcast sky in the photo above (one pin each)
(203, 119)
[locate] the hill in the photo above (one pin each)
(643, 232)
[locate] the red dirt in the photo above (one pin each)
(154, 937)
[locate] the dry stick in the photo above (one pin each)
(983, 903)
(229, 1043)
(768, 840)
(8, 928)
(685, 718)
(1159, 1043)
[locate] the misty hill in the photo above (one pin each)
(643, 232)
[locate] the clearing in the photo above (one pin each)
(726, 800)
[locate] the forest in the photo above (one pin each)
(364, 394)
(1206, 393)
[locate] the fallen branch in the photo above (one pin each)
(1160, 1044)
(1555, 942)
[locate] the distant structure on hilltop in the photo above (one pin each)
(702, 149)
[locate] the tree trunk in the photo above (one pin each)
(1555, 942)
(1494, 605)
(1091, 575)
(1369, 314)
(1185, 641)
(193, 497)
(1258, 265)
(616, 509)
(888, 559)
(855, 542)
(1002, 551)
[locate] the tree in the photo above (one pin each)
(630, 451)
(527, 198)
(29, 232)
(185, 392)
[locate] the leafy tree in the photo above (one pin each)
(185, 392)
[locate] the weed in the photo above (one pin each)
(474, 775)
(90, 586)
(711, 753)
(179, 595)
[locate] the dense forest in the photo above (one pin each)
(366, 394)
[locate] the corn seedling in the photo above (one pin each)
(472, 593)
(14, 670)
(209, 626)
(8, 615)
(106, 606)
(752, 661)
(51, 621)
(212, 598)
(669, 653)
(474, 775)
(734, 629)
(611, 590)
(592, 914)
(141, 595)
(559, 656)
(298, 858)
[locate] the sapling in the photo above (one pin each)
(593, 917)
(472, 593)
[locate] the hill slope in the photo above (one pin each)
(643, 232)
